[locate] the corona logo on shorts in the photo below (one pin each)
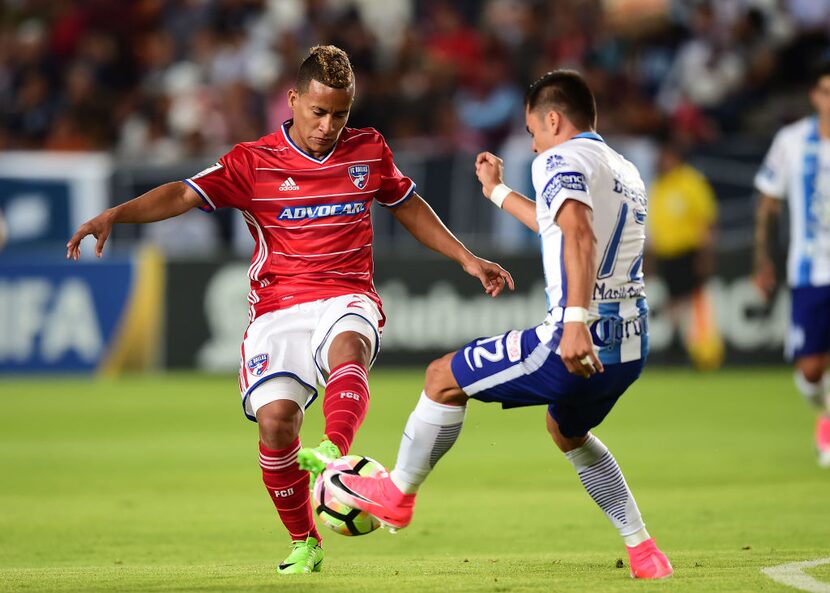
(359, 175)
(258, 364)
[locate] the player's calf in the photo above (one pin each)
(345, 403)
(810, 385)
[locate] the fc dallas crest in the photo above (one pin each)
(359, 175)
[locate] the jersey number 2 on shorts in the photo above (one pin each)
(479, 352)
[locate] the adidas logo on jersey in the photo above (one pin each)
(289, 185)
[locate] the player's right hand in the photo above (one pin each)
(764, 278)
(99, 227)
(490, 172)
(576, 349)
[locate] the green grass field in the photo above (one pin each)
(152, 484)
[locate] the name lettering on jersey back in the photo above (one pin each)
(603, 292)
(566, 180)
(322, 211)
(634, 194)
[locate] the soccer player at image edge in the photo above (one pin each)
(590, 212)
(795, 170)
(305, 192)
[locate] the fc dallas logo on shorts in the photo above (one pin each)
(359, 175)
(258, 364)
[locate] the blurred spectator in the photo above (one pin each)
(489, 106)
(681, 219)
(175, 79)
(706, 72)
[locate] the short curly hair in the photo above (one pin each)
(327, 64)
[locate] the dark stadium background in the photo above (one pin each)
(101, 100)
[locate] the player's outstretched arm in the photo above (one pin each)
(764, 270)
(579, 244)
(421, 221)
(490, 173)
(165, 201)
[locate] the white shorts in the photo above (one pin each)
(285, 352)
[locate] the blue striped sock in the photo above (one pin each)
(599, 473)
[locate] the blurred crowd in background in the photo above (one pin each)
(165, 80)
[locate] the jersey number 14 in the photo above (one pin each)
(612, 250)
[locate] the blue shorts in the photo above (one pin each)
(517, 369)
(810, 322)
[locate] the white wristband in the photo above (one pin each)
(499, 194)
(579, 314)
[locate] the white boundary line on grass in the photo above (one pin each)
(791, 574)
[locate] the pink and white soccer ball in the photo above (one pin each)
(334, 514)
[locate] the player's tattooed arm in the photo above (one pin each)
(766, 217)
(579, 244)
(490, 173)
(420, 220)
(163, 202)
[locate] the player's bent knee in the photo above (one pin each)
(279, 423)
(812, 367)
(564, 443)
(440, 384)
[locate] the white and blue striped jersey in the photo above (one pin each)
(797, 168)
(586, 169)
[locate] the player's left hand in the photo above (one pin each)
(577, 350)
(492, 276)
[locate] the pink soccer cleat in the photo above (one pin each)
(377, 495)
(648, 562)
(823, 440)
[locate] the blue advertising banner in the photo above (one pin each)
(45, 196)
(59, 316)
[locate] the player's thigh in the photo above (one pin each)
(275, 359)
(809, 333)
(503, 368)
(349, 313)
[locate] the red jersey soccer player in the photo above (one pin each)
(305, 192)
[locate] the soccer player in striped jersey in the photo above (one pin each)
(590, 213)
(797, 169)
(305, 192)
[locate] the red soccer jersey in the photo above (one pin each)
(309, 217)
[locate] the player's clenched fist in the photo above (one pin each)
(577, 350)
(490, 172)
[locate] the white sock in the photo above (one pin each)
(431, 430)
(813, 392)
(599, 473)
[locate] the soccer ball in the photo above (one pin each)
(334, 514)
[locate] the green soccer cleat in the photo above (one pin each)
(315, 459)
(306, 556)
